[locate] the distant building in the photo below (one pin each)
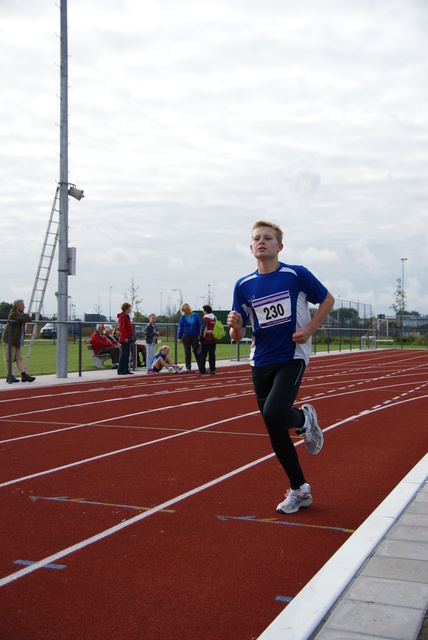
(94, 317)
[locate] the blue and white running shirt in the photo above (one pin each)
(277, 305)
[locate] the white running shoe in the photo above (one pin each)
(311, 432)
(294, 499)
(172, 370)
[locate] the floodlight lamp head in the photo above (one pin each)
(76, 193)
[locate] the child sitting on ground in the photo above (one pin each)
(161, 360)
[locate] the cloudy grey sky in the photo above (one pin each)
(189, 120)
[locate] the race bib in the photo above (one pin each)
(273, 309)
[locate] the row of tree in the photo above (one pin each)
(343, 315)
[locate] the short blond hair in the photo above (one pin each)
(186, 308)
(277, 230)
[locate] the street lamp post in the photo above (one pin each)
(403, 260)
(62, 312)
(66, 254)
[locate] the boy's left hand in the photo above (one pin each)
(301, 335)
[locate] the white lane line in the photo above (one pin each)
(176, 435)
(93, 403)
(118, 527)
(111, 419)
(124, 450)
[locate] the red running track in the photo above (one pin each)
(144, 508)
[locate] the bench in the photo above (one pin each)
(100, 359)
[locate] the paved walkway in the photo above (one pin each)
(375, 586)
(97, 374)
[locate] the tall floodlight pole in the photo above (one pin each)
(62, 342)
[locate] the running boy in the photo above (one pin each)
(275, 300)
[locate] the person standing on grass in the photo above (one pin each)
(17, 333)
(126, 336)
(188, 333)
(275, 299)
(207, 341)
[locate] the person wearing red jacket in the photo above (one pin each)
(101, 345)
(207, 341)
(126, 336)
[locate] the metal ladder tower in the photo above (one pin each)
(43, 270)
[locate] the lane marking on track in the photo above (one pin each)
(169, 437)
(411, 369)
(28, 563)
(164, 505)
(320, 396)
(284, 522)
(145, 394)
(119, 399)
(125, 449)
(348, 390)
(122, 525)
(113, 418)
(98, 504)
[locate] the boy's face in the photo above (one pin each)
(265, 244)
